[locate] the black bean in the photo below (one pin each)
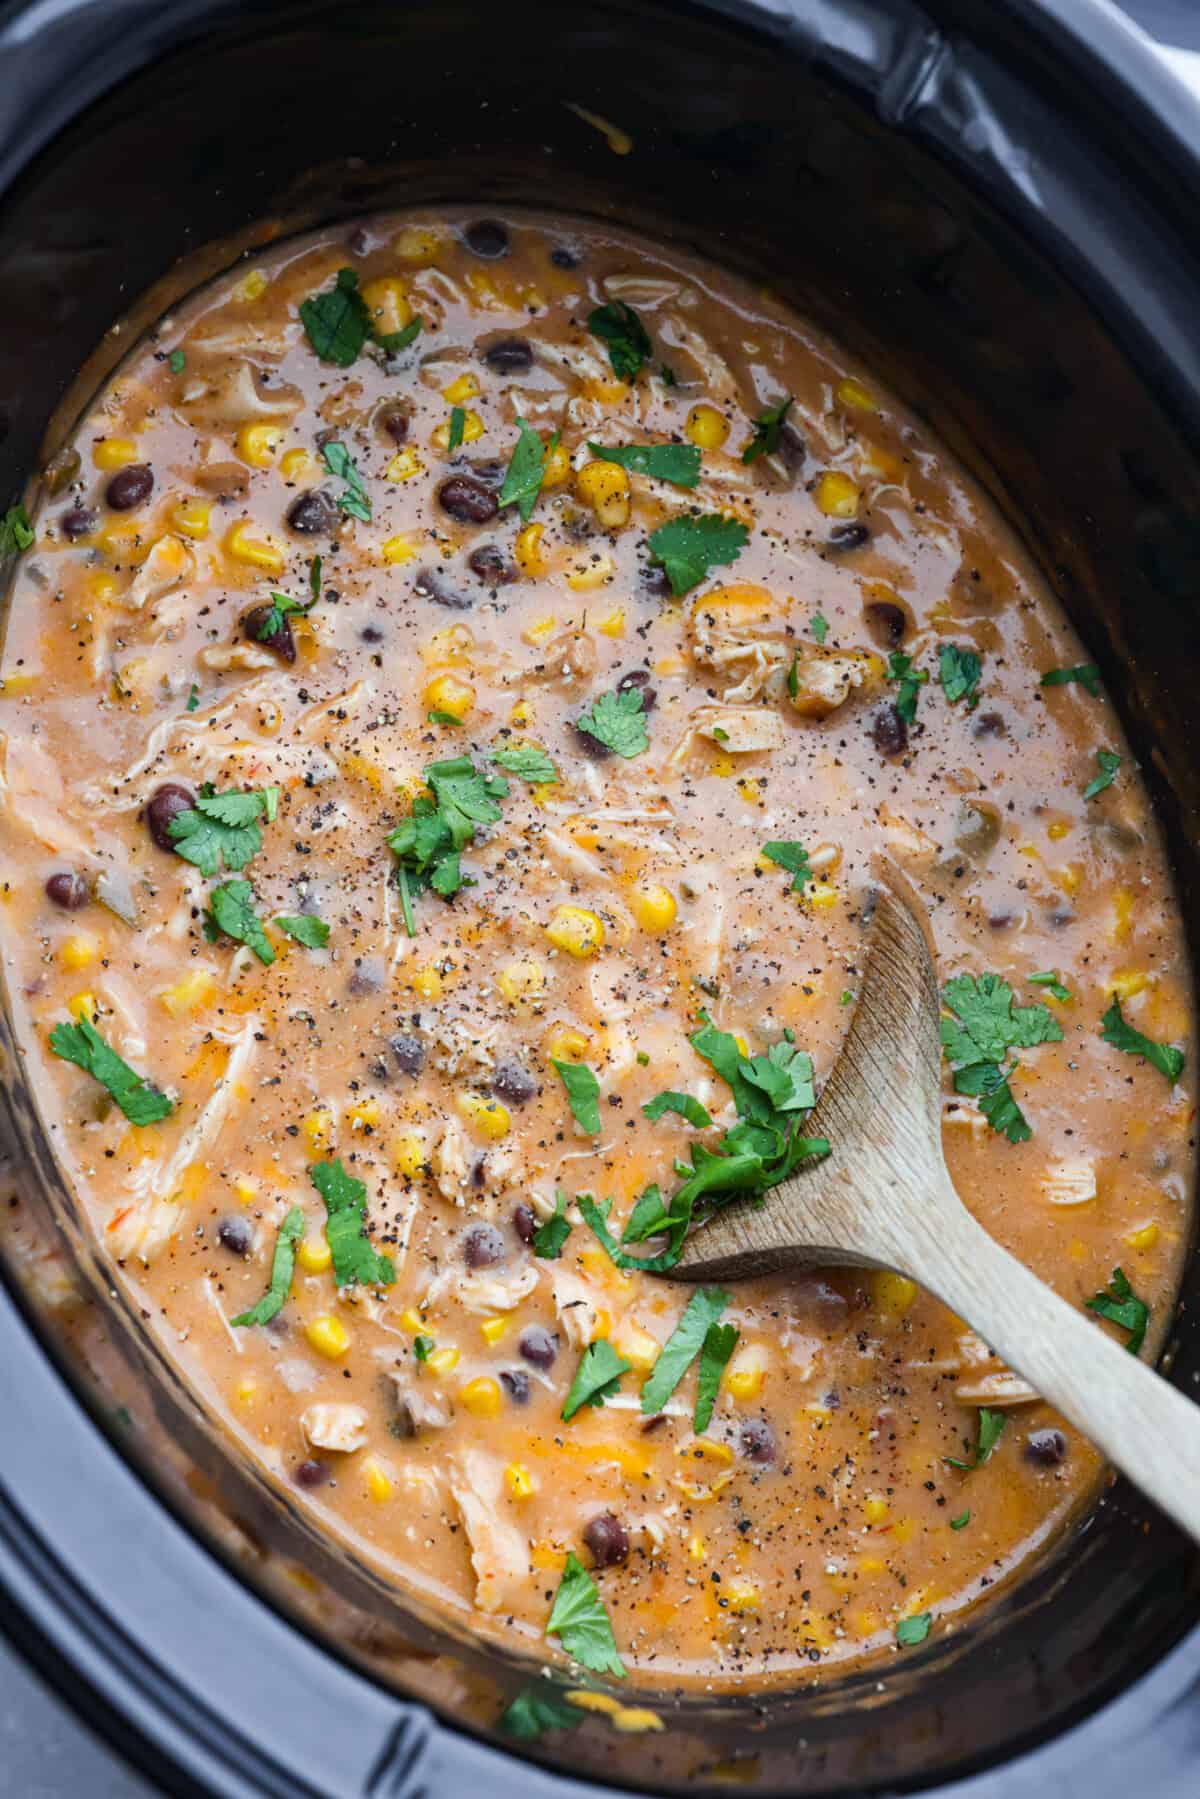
(392, 421)
(310, 1473)
(848, 537)
(371, 634)
(68, 889)
(236, 1234)
(889, 732)
(509, 355)
(538, 1346)
(431, 584)
(129, 487)
(408, 1052)
(368, 976)
(513, 1084)
(989, 724)
(77, 521)
(515, 1382)
(482, 1246)
(655, 581)
(487, 238)
(590, 746)
(272, 629)
(524, 1221)
(358, 241)
(886, 623)
(638, 677)
(792, 449)
(490, 470)
(491, 565)
(563, 257)
(468, 500)
(1002, 921)
(607, 1538)
(1046, 1448)
(756, 1440)
(313, 513)
(164, 804)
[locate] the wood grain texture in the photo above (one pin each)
(883, 1198)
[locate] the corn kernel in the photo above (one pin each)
(387, 303)
(632, 1720)
(1144, 1236)
(472, 431)
(875, 1510)
(528, 551)
(417, 245)
(192, 517)
(251, 287)
(836, 494)
(328, 1336)
(1127, 982)
(403, 466)
(318, 1128)
(568, 1046)
(114, 452)
(745, 1374)
(1058, 830)
(556, 467)
(82, 1005)
(605, 390)
(749, 790)
(442, 1361)
(487, 1115)
(604, 486)
(300, 465)
(638, 1347)
(613, 624)
(257, 444)
(446, 693)
(706, 427)
(1068, 878)
(586, 1699)
(245, 1190)
(190, 993)
(364, 1116)
(580, 933)
(379, 1484)
(482, 1396)
(852, 393)
(697, 1548)
(122, 540)
(78, 950)
(412, 1320)
(742, 1596)
(707, 1449)
(246, 1391)
(742, 1046)
(493, 1329)
(892, 1294)
(101, 587)
(463, 388)
(259, 552)
(521, 714)
(522, 982)
(595, 571)
(427, 982)
(1123, 904)
(399, 549)
(314, 1255)
(821, 895)
(519, 1481)
(654, 908)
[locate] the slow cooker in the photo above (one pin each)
(994, 202)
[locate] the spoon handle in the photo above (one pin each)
(1140, 1422)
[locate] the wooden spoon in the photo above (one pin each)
(883, 1199)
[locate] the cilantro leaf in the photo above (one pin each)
(337, 323)
(231, 910)
(596, 1379)
(819, 626)
(990, 1427)
(914, 1630)
(960, 1523)
(1121, 1305)
(649, 1217)
(1109, 762)
(283, 1263)
(355, 501)
(395, 341)
(766, 430)
(1163, 1056)
(911, 679)
(794, 857)
(988, 1082)
(989, 1025)
(193, 698)
(221, 827)
(428, 843)
(683, 1103)
(1086, 673)
(959, 671)
(177, 362)
(273, 615)
(581, 1624)
(528, 764)
(618, 721)
(682, 1347)
(688, 547)
(629, 346)
(674, 1224)
(354, 1257)
(16, 533)
(677, 463)
(552, 1233)
(434, 717)
(138, 1098)
(312, 932)
(720, 1341)
(1050, 981)
(523, 481)
(583, 1094)
(536, 1710)
(458, 424)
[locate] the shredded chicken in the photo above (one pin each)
(169, 562)
(237, 397)
(419, 1406)
(450, 1163)
(576, 1303)
(499, 1552)
(1071, 1183)
(341, 1428)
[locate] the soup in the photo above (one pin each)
(453, 691)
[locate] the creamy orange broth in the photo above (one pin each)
(815, 1511)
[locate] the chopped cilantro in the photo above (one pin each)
(961, 1522)
(523, 481)
(429, 843)
(581, 1624)
(16, 533)
(282, 606)
(283, 1263)
(766, 431)
(989, 1084)
(985, 1026)
(312, 932)
(914, 1630)
(688, 547)
(193, 698)
(720, 1341)
(1163, 1056)
(458, 424)
(423, 1347)
(959, 671)
(629, 346)
(1086, 673)
(395, 341)
(355, 501)
(435, 717)
(682, 1347)
(990, 1427)
(337, 323)
(176, 362)
(1121, 1305)
(138, 1098)
(1109, 762)
(1050, 981)
(794, 857)
(583, 1094)
(552, 1233)
(819, 626)
(231, 910)
(596, 1379)
(793, 675)
(677, 463)
(683, 1103)
(355, 1258)
(618, 721)
(222, 827)
(911, 679)
(536, 1710)
(528, 764)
